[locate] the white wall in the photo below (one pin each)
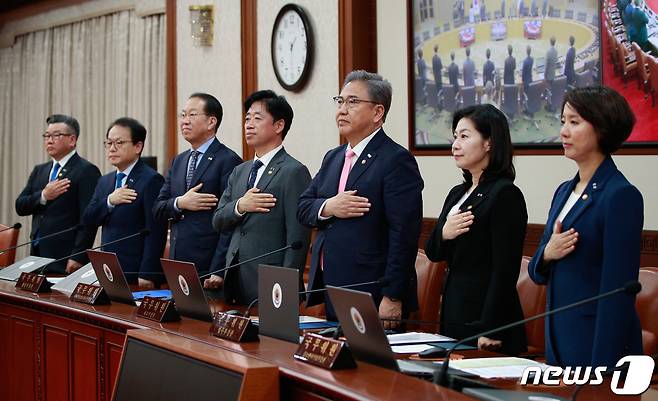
(537, 176)
(216, 70)
(313, 129)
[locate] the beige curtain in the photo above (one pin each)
(95, 70)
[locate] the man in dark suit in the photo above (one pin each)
(196, 179)
(510, 67)
(123, 205)
(569, 61)
(437, 70)
(453, 72)
(366, 204)
(468, 69)
(56, 196)
(488, 69)
(259, 204)
(551, 63)
(526, 69)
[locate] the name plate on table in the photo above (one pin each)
(159, 310)
(233, 328)
(324, 352)
(33, 282)
(90, 294)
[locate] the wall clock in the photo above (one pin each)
(292, 47)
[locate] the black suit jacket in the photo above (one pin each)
(61, 213)
(480, 289)
(140, 254)
(192, 237)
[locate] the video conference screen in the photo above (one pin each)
(151, 373)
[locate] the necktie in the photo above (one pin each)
(254, 172)
(194, 155)
(347, 166)
(53, 175)
(119, 179)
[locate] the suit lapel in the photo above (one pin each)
(334, 169)
(479, 194)
(134, 175)
(366, 159)
(207, 159)
(65, 171)
(591, 193)
(44, 174)
(271, 170)
(453, 197)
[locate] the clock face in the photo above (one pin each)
(291, 47)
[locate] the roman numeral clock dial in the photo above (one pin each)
(292, 47)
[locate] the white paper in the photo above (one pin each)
(416, 338)
(302, 319)
(489, 368)
(410, 349)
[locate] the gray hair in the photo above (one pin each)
(379, 89)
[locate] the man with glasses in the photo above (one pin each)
(123, 202)
(259, 205)
(196, 179)
(57, 194)
(366, 204)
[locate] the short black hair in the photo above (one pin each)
(491, 123)
(211, 107)
(137, 130)
(71, 122)
(276, 105)
(607, 111)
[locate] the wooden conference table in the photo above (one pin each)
(52, 348)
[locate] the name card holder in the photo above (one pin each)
(33, 282)
(233, 328)
(325, 352)
(159, 310)
(90, 294)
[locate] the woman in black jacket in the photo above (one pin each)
(480, 234)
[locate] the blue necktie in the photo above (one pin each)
(53, 175)
(254, 172)
(191, 168)
(119, 179)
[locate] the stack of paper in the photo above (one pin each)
(489, 368)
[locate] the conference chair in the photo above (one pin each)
(584, 78)
(533, 302)
(556, 95)
(653, 78)
(419, 92)
(532, 101)
(432, 95)
(8, 239)
(642, 69)
(430, 278)
(627, 62)
(646, 305)
(449, 97)
(467, 96)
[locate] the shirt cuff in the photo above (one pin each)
(42, 200)
(109, 205)
(320, 217)
(176, 204)
(237, 213)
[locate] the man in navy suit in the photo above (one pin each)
(195, 182)
(526, 69)
(453, 72)
(366, 203)
(569, 61)
(56, 196)
(468, 69)
(510, 67)
(123, 202)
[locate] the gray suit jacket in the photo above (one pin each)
(551, 64)
(257, 233)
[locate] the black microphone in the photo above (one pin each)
(382, 281)
(441, 376)
(295, 245)
(75, 227)
(16, 226)
(143, 232)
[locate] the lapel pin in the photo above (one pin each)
(594, 185)
(209, 158)
(469, 207)
(584, 197)
(369, 155)
(363, 161)
(269, 172)
(480, 195)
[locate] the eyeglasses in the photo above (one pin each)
(118, 144)
(183, 115)
(54, 136)
(350, 101)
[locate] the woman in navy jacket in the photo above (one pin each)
(592, 239)
(480, 234)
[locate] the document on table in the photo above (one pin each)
(489, 368)
(410, 348)
(416, 338)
